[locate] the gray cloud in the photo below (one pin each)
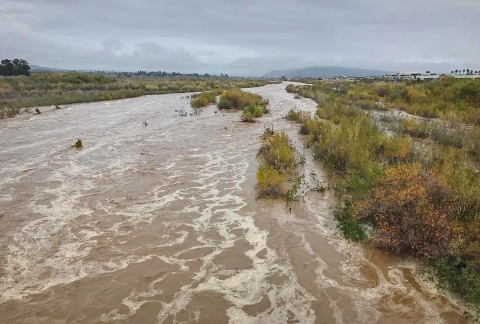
(242, 37)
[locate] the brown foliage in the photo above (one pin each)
(411, 212)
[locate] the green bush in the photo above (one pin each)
(203, 100)
(239, 99)
(251, 112)
(270, 181)
(224, 103)
(347, 223)
(291, 88)
(294, 115)
(459, 277)
(277, 160)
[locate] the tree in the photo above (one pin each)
(463, 71)
(451, 72)
(468, 71)
(456, 71)
(14, 67)
(6, 67)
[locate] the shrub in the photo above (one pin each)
(204, 100)
(411, 212)
(415, 128)
(297, 116)
(270, 181)
(251, 112)
(367, 104)
(278, 152)
(397, 148)
(239, 99)
(347, 223)
(277, 160)
(224, 103)
(291, 88)
(459, 277)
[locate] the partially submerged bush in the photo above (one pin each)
(277, 161)
(204, 99)
(78, 144)
(251, 112)
(291, 88)
(239, 99)
(270, 181)
(411, 211)
(347, 223)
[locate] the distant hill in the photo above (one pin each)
(323, 71)
(42, 68)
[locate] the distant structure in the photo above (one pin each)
(427, 76)
(412, 76)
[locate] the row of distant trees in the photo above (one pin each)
(167, 74)
(467, 71)
(14, 67)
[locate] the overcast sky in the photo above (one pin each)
(242, 37)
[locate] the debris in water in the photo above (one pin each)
(37, 111)
(145, 123)
(78, 144)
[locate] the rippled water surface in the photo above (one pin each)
(160, 224)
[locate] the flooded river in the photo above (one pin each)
(160, 224)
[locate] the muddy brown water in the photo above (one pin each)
(160, 224)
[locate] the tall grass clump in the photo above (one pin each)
(278, 161)
(296, 115)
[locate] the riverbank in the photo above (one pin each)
(161, 223)
(18, 94)
(415, 182)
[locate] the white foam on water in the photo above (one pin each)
(200, 191)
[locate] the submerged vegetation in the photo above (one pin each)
(278, 161)
(414, 181)
(50, 89)
(238, 99)
(253, 105)
(251, 112)
(204, 99)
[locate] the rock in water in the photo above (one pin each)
(78, 144)
(37, 111)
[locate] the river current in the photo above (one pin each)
(159, 223)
